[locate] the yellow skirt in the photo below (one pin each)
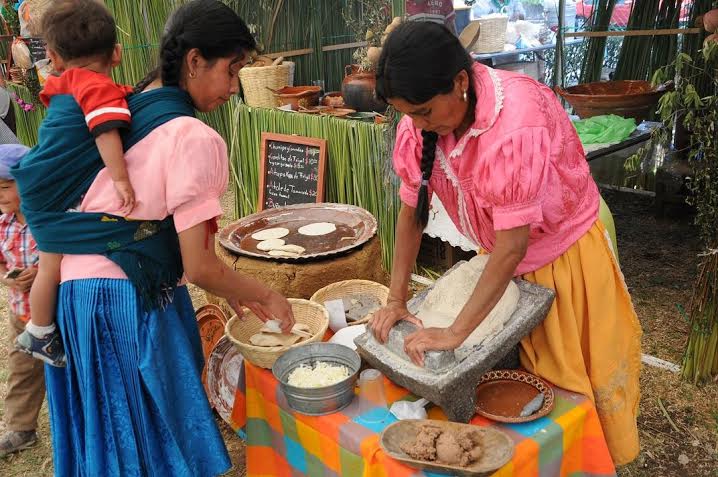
(590, 342)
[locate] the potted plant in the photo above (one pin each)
(370, 20)
(698, 113)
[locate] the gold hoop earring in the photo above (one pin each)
(465, 96)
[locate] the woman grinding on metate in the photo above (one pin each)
(501, 154)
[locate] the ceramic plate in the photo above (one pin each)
(346, 336)
(223, 371)
(355, 226)
(502, 394)
(210, 322)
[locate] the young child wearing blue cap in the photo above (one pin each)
(18, 258)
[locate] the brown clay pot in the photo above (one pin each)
(358, 90)
(710, 21)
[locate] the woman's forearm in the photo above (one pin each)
(204, 269)
(406, 249)
(509, 251)
(218, 279)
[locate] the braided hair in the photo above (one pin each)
(420, 60)
(208, 25)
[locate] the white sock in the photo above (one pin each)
(39, 331)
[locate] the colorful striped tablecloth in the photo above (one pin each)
(280, 442)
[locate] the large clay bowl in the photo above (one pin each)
(629, 99)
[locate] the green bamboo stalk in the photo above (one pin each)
(700, 362)
(641, 56)
(27, 122)
(595, 51)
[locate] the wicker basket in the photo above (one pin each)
(238, 332)
(17, 75)
(338, 290)
(257, 81)
(32, 12)
(492, 36)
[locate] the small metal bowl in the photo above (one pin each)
(318, 401)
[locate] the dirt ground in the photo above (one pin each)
(659, 257)
(678, 421)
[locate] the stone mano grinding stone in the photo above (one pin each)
(445, 380)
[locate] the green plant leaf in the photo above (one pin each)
(710, 51)
(659, 76)
(666, 105)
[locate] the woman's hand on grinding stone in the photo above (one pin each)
(384, 319)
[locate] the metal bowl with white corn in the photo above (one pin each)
(316, 398)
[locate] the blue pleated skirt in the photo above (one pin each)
(130, 401)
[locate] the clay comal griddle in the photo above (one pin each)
(355, 227)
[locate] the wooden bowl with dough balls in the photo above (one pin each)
(253, 338)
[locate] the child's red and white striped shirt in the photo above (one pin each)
(103, 102)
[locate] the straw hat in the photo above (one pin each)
(470, 35)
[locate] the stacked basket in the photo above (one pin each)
(259, 81)
(493, 34)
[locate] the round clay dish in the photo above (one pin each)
(355, 227)
(223, 370)
(502, 394)
(210, 323)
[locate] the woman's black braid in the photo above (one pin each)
(428, 155)
(171, 55)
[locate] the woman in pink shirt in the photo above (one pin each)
(501, 154)
(131, 401)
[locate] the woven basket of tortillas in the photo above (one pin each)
(263, 343)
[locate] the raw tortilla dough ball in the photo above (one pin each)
(274, 233)
(448, 450)
(424, 446)
(318, 228)
(270, 244)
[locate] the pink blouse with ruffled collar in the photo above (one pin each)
(520, 163)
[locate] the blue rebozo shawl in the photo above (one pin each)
(56, 174)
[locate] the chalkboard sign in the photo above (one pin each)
(291, 170)
(37, 49)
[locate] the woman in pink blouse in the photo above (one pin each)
(131, 401)
(501, 154)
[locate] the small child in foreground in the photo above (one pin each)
(82, 45)
(25, 389)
